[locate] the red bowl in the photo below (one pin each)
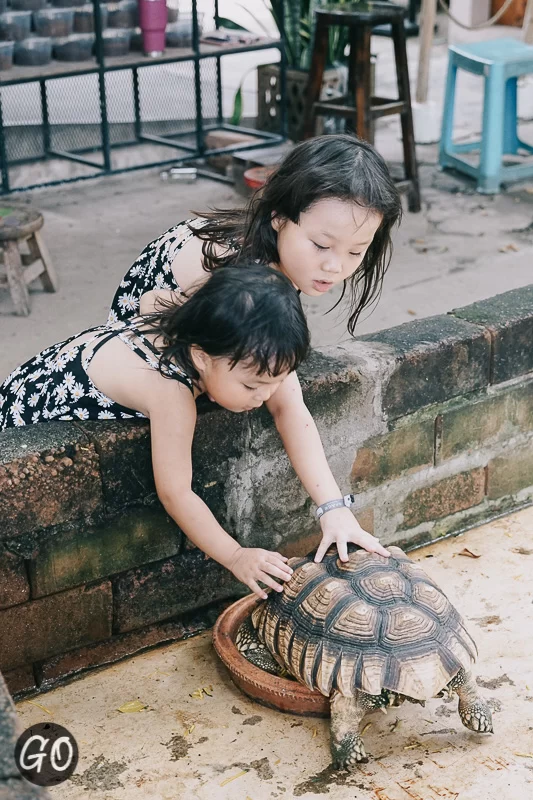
(269, 690)
(256, 177)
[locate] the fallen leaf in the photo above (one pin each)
(367, 726)
(395, 725)
(131, 707)
(314, 733)
(420, 241)
(190, 730)
(524, 755)
(411, 312)
(234, 777)
(208, 690)
(198, 694)
(466, 552)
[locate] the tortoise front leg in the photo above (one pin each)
(473, 709)
(347, 748)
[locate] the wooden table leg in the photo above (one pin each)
(15, 279)
(39, 251)
(316, 75)
(406, 117)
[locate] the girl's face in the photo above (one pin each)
(326, 246)
(238, 389)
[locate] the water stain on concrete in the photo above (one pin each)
(261, 766)
(494, 705)
(178, 746)
(522, 551)
(441, 730)
(102, 775)
(494, 683)
(442, 711)
(236, 710)
(484, 622)
(323, 781)
(252, 720)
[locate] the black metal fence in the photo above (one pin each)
(84, 112)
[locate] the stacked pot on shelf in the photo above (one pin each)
(33, 32)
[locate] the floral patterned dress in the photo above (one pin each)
(55, 385)
(151, 270)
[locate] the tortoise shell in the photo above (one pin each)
(370, 623)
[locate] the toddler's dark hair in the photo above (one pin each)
(338, 166)
(246, 312)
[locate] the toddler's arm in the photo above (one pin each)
(172, 423)
(304, 448)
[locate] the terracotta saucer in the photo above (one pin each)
(269, 690)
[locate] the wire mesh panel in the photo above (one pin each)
(74, 115)
(120, 106)
(23, 122)
(167, 99)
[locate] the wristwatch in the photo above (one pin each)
(341, 502)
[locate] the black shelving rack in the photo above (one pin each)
(111, 85)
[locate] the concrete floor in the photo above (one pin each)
(229, 748)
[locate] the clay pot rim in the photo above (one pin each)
(241, 670)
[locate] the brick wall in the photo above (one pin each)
(429, 423)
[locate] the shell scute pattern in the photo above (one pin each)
(368, 624)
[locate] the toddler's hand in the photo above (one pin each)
(340, 526)
(252, 564)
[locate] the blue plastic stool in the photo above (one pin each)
(500, 62)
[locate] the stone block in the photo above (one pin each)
(42, 628)
(20, 680)
(14, 586)
(49, 474)
(508, 318)
(169, 588)
(406, 449)
(511, 473)
(127, 644)
(478, 421)
(86, 553)
(435, 359)
(446, 497)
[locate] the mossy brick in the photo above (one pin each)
(86, 553)
(508, 318)
(169, 588)
(436, 358)
(328, 384)
(446, 497)
(42, 628)
(479, 421)
(406, 449)
(509, 474)
(49, 474)
(14, 586)
(123, 645)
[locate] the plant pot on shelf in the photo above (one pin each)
(268, 93)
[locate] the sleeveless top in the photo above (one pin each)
(54, 385)
(151, 270)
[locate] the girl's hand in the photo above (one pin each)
(252, 564)
(340, 526)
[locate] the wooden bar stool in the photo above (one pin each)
(20, 224)
(358, 107)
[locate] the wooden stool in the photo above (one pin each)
(19, 224)
(358, 107)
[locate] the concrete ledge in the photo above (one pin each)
(430, 423)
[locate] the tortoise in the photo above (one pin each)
(368, 633)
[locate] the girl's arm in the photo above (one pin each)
(172, 413)
(304, 448)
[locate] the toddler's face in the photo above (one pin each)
(238, 389)
(326, 246)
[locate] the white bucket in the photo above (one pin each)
(427, 122)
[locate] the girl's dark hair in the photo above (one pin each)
(247, 312)
(336, 166)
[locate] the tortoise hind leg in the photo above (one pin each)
(252, 648)
(473, 709)
(347, 748)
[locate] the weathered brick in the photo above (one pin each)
(86, 553)
(443, 498)
(14, 586)
(49, 474)
(436, 358)
(169, 588)
(42, 628)
(511, 473)
(475, 422)
(405, 449)
(509, 319)
(20, 680)
(127, 644)
(125, 460)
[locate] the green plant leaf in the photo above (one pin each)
(224, 22)
(237, 107)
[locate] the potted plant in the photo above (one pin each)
(294, 20)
